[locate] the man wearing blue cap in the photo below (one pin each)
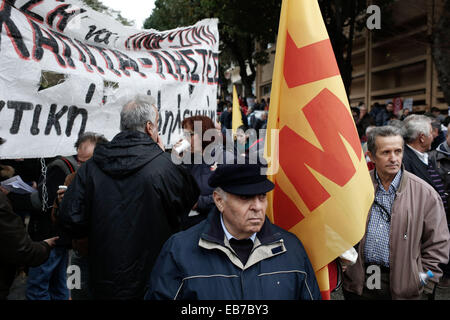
(236, 253)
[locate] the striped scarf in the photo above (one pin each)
(437, 183)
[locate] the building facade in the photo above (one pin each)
(390, 64)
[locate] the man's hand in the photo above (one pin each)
(52, 241)
(60, 194)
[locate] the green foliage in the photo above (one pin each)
(97, 5)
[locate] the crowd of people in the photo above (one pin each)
(139, 225)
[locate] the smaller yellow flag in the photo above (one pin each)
(237, 117)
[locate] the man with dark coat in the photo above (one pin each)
(16, 246)
(440, 158)
(417, 132)
(128, 200)
(237, 253)
(48, 281)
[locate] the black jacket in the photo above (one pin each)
(128, 199)
(414, 165)
(16, 246)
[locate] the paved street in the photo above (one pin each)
(441, 294)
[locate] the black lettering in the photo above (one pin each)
(203, 53)
(209, 69)
(93, 62)
(12, 31)
(2, 104)
(193, 76)
(64, 14)
(34, 130)
(168, 116)
(97, 33)
(210, 35)
(73, 113)
(89, 94)
(159, 70)
(26, 8)
(67, 52)
(41, 42)
(186, 37)
(216, 65)
(125, 63)
(158, 103)
(177, 123)
(53, 119)
(145, 62)
(19, 107)
(180, 62)
(108, 61)
(194, 34)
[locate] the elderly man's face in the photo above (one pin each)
(388, 156)
(242, 215)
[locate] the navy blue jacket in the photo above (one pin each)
(199, 263)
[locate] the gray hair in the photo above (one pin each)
(385, 131)
(222, 193)
(137, 112)
(414, 125)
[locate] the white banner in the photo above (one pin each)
(66, 69)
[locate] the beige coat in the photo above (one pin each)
(419, 240)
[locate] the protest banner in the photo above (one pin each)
(66, 69)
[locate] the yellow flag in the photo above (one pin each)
(237, 117)
(323, 190)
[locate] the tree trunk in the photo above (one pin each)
(441, 50)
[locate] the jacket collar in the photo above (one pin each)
(402, 186)
(267, 243)
(213, 230)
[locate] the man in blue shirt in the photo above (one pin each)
(406, 229)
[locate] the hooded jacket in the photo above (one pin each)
(200, 264)
(128, 199)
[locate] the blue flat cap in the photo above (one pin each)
(241, 179)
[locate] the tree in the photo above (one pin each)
(97, 5)
(440, 49)
(242, 24)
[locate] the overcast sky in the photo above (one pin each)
(137, 10)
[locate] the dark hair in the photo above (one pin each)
(92, 137)
(206, 124)
(384, 131)
(435, 109)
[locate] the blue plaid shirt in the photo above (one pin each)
(376, 248)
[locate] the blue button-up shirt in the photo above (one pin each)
(376, 248)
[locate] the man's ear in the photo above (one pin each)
(218, 200)
(371, 156)
(149, 130)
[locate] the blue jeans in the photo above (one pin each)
(49, 280)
